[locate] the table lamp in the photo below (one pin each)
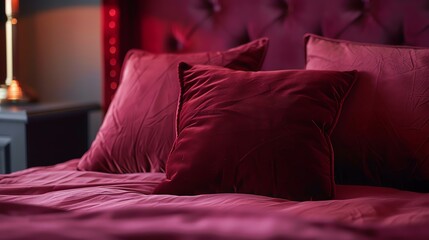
(12, 91)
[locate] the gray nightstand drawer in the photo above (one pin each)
(42, 134)
(5, 154)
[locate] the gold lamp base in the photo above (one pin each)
(14, 93)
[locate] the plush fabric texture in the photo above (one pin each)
(207, 25)
(138, 129)
(264, 133)
(382, 137)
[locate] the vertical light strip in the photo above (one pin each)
(9, 43)
(112, 64)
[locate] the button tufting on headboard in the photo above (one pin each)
(211, 25)
(366, 5)
(215, 5)
(283, 7)
(211, 6)
(375, 21)
(172, 44)
(285, 23)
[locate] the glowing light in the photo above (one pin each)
(113, 85)
(112, 12)
(14, 92)
(112, 50)
(11, 7)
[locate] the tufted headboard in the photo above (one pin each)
(200, 25)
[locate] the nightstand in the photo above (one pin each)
(42, 134)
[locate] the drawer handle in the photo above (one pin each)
(5, 154)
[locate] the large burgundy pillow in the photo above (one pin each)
(138, 130)
(263, 133)
(382, 137)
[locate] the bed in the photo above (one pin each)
(246, 119)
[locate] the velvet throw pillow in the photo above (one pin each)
(264, 133)
(138, 130)
(382, 138)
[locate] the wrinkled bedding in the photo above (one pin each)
(60, 202)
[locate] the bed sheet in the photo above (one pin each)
(62, 202)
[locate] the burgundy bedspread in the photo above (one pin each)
(59, 202)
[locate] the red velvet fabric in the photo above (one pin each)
(201, 25)
(382, 138)
(138, 130)
(163, 26)
(263, 133)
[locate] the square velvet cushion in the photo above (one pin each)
(138, 130)
(264, 133)
(382, 137)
